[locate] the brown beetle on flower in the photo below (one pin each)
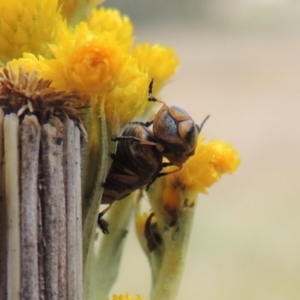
(138, 161)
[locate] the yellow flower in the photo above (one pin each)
(129, 98)
(110, 20)
(84, 62)
(159, 62)
(127, 297)
(210, 161)
(28, 63)
(27, 26)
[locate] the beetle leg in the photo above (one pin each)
(147, 124)
(167, 164)
(160, 174)
(142, 142)
(101, 222)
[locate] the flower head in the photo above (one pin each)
(127, 297)
(27, 26)
(210, 161)
(88, 63)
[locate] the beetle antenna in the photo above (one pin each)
(150, 92)
(150, 86)
(199, 128)
(151, 97)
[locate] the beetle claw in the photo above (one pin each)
(103, 225)
(101, 222)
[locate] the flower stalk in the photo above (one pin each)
(168, 260)
(96, 162)
(164, 233)
(108, 249)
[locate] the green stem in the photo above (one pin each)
(168, 260)
(104, 264)
(173, 263)
(97, 164)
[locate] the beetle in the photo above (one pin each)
(139, 157)
(138, 162)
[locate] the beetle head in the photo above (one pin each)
(176, 131)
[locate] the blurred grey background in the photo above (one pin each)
(240, 63)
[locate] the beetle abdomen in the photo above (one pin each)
(135, 164)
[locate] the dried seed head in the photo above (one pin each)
(23, 92)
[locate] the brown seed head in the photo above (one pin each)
(22, 92)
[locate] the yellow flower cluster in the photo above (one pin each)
(210, 162)
(27, 26)
(97, 58)
(127, 297)
(85, 62)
